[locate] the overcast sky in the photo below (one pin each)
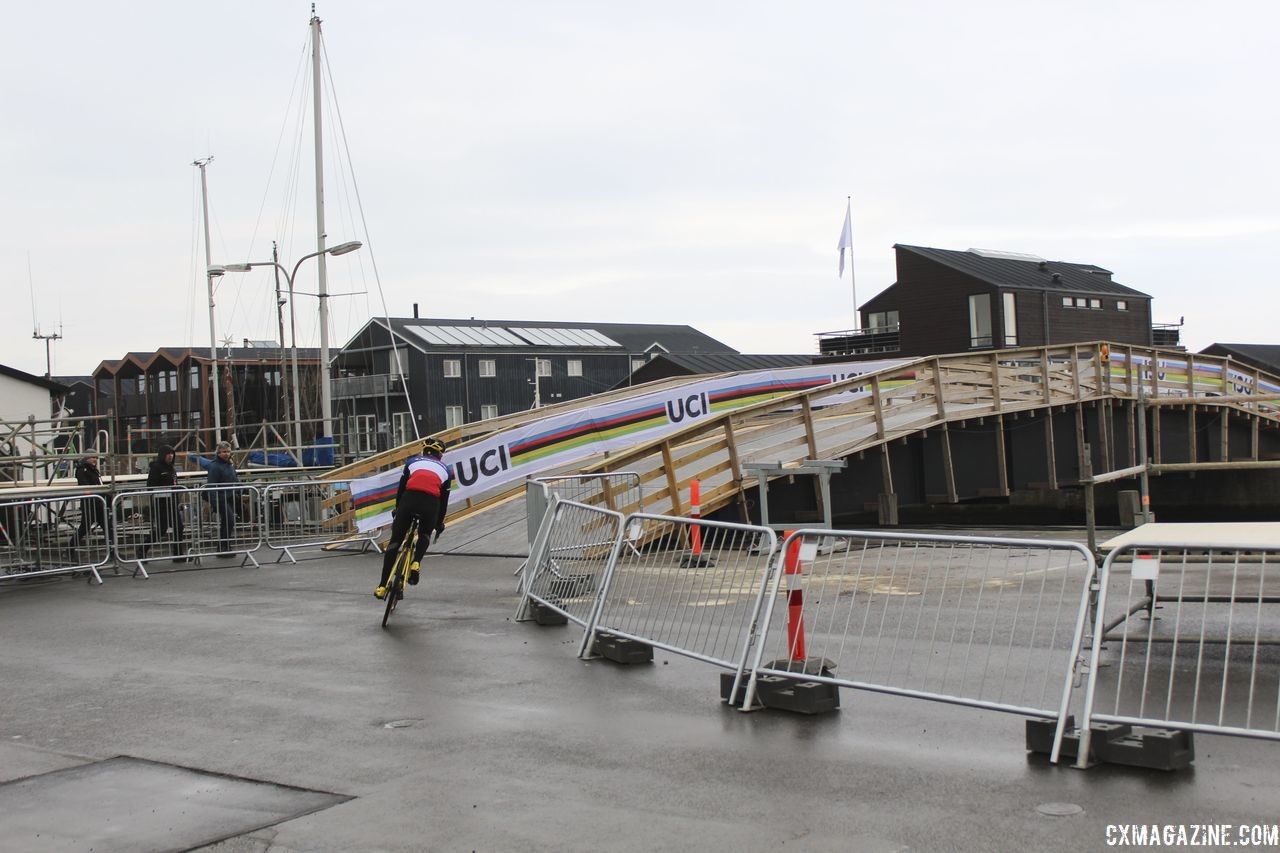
(677, 162)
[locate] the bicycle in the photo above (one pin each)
(400, 570)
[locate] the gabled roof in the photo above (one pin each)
(176, 355)
(1262, 356)
(664, 365)
(1026, 272)
(629, 337)
(23, 376)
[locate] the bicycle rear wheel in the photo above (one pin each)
(399, 570)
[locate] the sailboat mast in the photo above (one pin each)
(326, 401)
(209, 277)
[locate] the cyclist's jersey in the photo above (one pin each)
(425, 474)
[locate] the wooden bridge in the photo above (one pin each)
(942, 429)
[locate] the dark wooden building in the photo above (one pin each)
(164, 397)
(948, 301)
(460, 371)
(1261, 356)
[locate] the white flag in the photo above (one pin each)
(846, 237)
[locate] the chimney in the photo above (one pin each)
(415, 310)
(1057, 277)
(246, 343)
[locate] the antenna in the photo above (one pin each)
(35, 334)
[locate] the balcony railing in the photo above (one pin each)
(859, 341)
(373, 385)
(1166, 335)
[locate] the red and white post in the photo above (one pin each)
(795, 599)
(695, 512)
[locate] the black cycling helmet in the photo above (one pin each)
(433, 447)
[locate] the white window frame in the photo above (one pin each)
(1122, 305)
(488, 411)
(1009, 304)
(452, 368)
(573, 367)
(401, 428)
(980, 333)
(1068, 302)
(487, 368)
(637, 363)
(453, 417)
(543, 366)
(1095, 303)
(361, 433)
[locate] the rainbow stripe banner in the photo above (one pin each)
(554, 442)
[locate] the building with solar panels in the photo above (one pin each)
(461, 371)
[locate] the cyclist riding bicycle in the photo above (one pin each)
(424, 495)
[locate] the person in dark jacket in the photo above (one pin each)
(92, 511)
(423, 494)
(164, 507)
(222, 473)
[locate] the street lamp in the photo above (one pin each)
(326, 403)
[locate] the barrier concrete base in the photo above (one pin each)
(785, 693)
(544, 615)
(1116, 743)
(622, 649)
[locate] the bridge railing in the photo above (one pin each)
(1186, 639)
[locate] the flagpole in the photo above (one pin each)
(852, 282)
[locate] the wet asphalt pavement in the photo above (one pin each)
(460, 729)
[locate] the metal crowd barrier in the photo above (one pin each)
(984, 622)
(48, 536)
(294, 516)
(619, 491)
(150, 525)
(694, 588)
(1184, 642)
(573, 550)
(225, 520)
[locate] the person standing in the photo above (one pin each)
(92, 511)
(165, 514)
(423, 494)
(222, 473)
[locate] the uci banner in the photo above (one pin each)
(533, 448)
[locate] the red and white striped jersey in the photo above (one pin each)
(426, 474)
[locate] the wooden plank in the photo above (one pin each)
(1080, 436)
(949, 471)
(994, 367)
(879, 410)
(673, 489)
(1002, 465)
(1155, 435)
(806, 409)
(1050, 451)
(735, 463)
(886, 473)
(1224, 451)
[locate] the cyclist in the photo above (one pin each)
(424, 495)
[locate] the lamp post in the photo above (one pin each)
(326, 403)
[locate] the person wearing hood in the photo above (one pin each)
(222, 473)
(93, 511)
(164, 507)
